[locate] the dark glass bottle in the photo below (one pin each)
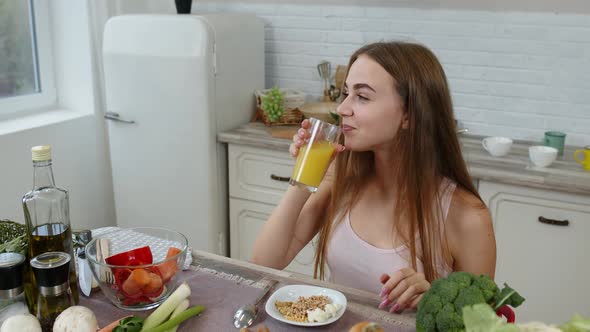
(12, 296)
(54, 295)
(47, 216)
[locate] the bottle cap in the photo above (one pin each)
(41, 153)
(51, 268)
(11, 270)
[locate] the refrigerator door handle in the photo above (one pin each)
(114, 116)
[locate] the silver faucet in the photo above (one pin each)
(460, 129)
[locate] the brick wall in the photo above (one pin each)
(512, 74)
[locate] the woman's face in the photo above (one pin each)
(372, 111)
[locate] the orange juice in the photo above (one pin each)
(312, 163)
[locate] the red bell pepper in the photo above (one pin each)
(134, 257)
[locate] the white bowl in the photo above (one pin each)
(497, 146)
(293, 292)
(542, 156)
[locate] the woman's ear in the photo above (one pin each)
(405, 121)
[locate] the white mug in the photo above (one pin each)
(497, 146)
(542, 156)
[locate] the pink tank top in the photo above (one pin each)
(355, 263)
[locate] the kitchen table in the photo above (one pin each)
(223, 284)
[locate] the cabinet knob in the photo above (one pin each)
(553, 221)
(280, 178)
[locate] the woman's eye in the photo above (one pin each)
(363, 98)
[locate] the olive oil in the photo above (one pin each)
(50, 237)
(47, 216)
(47, 238)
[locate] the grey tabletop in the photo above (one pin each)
(223, 284)
(563, 175)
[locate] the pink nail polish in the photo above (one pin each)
(394, 308)
(384, 291)
(384, 304)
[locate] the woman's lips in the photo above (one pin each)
(347, 128)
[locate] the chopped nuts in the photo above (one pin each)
(297, 311)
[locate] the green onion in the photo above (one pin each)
(167, 307)
(188, 313)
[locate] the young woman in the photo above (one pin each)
(397, 208)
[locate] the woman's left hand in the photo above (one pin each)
(404, 289)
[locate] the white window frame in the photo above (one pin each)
(47, 98)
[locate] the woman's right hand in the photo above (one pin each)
(302, 137)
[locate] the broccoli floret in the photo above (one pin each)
(430, 303)
(463, 279)
(440, 309)
(468, 296)
(447, 319)
(446, 290)
(425, 317)
(487, 286)
(425, 323)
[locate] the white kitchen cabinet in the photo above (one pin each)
(542, 249)
(257, 180)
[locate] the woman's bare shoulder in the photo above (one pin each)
(470, 232)
(467, 213)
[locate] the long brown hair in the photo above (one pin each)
(428, 151)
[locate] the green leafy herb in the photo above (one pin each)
(271, 104)
(129, 324)
(507, 296)
(13, 237)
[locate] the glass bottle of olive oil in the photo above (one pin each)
(47, 216)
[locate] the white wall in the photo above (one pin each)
(515, 74)
(79, 164)
(80, 157)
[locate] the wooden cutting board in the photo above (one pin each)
(286, 132)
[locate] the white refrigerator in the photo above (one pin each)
(172, 82)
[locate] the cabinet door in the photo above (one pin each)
(246, 221)
(547, 263)
(258, 174)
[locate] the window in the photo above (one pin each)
(26, 65)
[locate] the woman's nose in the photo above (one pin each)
(344, 108)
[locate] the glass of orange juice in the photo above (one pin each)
(315, 155)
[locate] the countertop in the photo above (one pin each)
(563, 175)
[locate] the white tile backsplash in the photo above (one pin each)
(511, 73)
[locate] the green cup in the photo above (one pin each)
(555, 139)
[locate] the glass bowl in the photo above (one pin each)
(136, 268)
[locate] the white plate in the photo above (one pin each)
(293, 292)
